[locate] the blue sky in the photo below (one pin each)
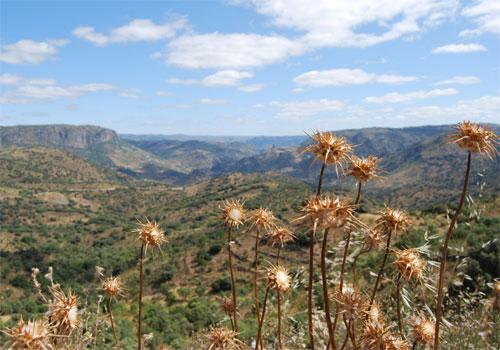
(249, 67)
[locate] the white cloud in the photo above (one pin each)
(129, 93)
(252, 87)
(342, 77)
(459, 48)
(12, 79)
(209, 101)
(30, 52)
(486, 15)
(460, 80)
(163, 93)
(396, 97)
(229, 51)
(338, 23)
(469, 33)
(135, 31)
(301, 109)
(226, 77)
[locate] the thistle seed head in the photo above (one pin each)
(327, 212)
(263, 218)
(222, 338)
(280, 236)
(409, 264)
(393, 220)
(227, 305)
(31, 335)
(393, 343)
(473, 137)
(329, 149)
(113, 287)
(373, 239)
(423, 330)
(233, 213)
(363, 169)
(350, 302)
(374, 335)
(278, 278)
(150, 234)
(63, 311)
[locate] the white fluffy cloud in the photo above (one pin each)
(210, 101)
(252, 87)
(459, 48)
(486, 15)
(342, 77)
(134, 31)
(30, 52)
(227, 77)
(460, 80)
(12, 79)
(396, 97)
(229, 51)
(301, 109)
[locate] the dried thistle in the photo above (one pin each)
(227, 306)
(409, 264)
(150, 234)
(113, 287)
(327, 212)
(278, 278)
(373, 239)
(233, 213)
(222, 338)
(393, 220)
(423, 330)
(31, 335)
(393, 343)
(473, 137)
(350, 302)
(263, 218)
(280, 236)
(63, 311)
(374, 335)
(329, 149)
(363, 169)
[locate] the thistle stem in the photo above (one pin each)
(255, 275)
(141, 286)
(398, 306)
(261, 321)
(110, 312)
(358, 196)
(233, 283)
(309, 291)
(444, 254)
(279, 320)
(326, 300)
(381, 271)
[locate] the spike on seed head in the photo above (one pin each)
(373, 239)
(113, 287)
(280, 236)
(233, 213)
(327, 212)
(409, 264)
(278, 278)
(423, 330)
(363, 169)
(473, 137)
(329, 149)
(222, 338)
(263, 218)
(393, 220)
(31, 335)
(393, 343)
(150, 234)
(374, 335)
(350, 302)
(63, 311)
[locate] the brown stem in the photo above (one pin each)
(141, 286)
(233, 283)
(381, 271)
(444, 254)
(414, 345)
(326, 299)
(309, 291)
(320, 180)
(398, 306)
(261, 321)
(358, 196)
(110, 312)
(350, 334)
(279, 320)
(255, 275)
(278, 255)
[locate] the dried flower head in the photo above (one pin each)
(330, 149)
(31, 335)
(63, 311)
(409, 264)
(423, 330)
(280, 236)
(363, 169)
(233, 213)
(475, 138)
(373, 239)
(263, 218)
(350, 302)
(150, 234)
(375, 313)
(393, 220)
(113, 287)
(223, 338)
(278, 278)
(374, 335)
(393, 343)
(227, 305)
(327, 212)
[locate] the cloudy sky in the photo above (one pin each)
(248, 67)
